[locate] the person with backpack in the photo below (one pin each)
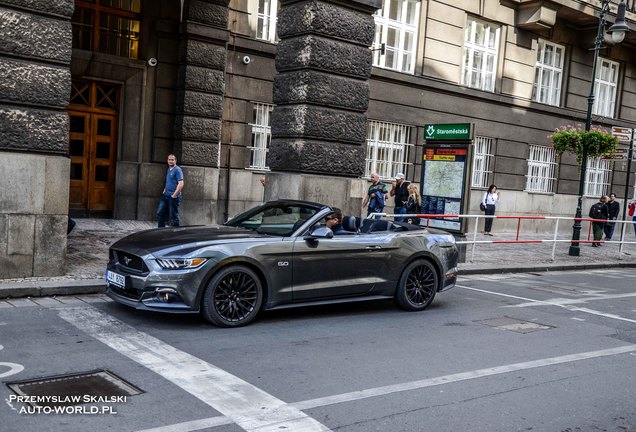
(376, 196)
(613, 208)
(599, 212)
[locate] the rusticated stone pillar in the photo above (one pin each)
(321, 91)
(35, 54)
(201, 82)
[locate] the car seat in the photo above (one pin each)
(349, 224)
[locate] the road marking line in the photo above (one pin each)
(577, 319)
(594, 297)
(244, 404)
(532, 302)
(410, 386)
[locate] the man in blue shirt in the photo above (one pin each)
(171, 195)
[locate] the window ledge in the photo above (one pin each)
(539, 193)
(256, 170)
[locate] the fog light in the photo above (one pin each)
(166, 295)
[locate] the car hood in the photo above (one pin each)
(190, 237)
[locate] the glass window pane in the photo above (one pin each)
(492, 37)
(411, 16)
(103, 150)
(103, 127)
(480, 34)
(76, 171)
(392, 38)
(408, 41)
(394, 9)
(558, 58)
(101, 173)
(77, 124)
(76, 148)
(390, 60)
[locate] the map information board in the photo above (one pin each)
(443, 176)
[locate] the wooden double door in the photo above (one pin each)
(92, 147)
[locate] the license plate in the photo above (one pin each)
(116, 279)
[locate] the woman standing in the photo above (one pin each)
(414, 204)
(491, 197)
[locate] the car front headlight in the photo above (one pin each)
(180, 263)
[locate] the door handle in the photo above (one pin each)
(375, 247)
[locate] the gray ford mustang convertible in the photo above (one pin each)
(279, 255)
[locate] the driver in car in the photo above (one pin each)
(334, 222)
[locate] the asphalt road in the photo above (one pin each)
(515, 352)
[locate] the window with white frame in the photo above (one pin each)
(387, 149)
(541, 169)
(597, 177)
(482, 161)
(396, 27)
(481, 46)
(548, 73)
(266, 20)
(261, 135)
(605, 88)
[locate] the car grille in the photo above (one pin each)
(128, 261)
(128, 293)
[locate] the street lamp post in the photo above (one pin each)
(617, 30)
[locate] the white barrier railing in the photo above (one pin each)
(554, 240)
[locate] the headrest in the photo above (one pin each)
(349, 223)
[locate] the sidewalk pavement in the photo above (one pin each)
(87, 254)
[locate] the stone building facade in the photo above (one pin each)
(88, 113)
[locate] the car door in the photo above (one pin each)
(345, 265)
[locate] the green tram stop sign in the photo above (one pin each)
(448, 132)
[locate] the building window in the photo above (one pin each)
(605, 88)
(481, 44)
(548, 73)
(387, 149)
(396, 27)
(541, 169)
(597, 177)
(261, 135)
(482, 161)
(266, 20)
(107, 26)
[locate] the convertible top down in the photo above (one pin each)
(277, 255)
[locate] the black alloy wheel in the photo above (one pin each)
(233, 297)
(418, 286)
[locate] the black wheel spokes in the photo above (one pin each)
(236, 296)
(420, 285)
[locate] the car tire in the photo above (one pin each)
(417, 286)
(233, 297)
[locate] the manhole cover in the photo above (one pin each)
(515, 325)
(73, 389)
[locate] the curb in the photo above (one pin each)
(52, 288)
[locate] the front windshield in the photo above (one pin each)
(275, 218)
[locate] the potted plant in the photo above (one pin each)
(597, 142)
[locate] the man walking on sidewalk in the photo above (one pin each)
(613, 208)
(598, 212)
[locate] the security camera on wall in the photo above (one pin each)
(152, 62)
(246, 60)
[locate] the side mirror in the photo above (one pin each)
(320, 232)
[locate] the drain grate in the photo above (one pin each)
(73, 389)
(515, 325)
